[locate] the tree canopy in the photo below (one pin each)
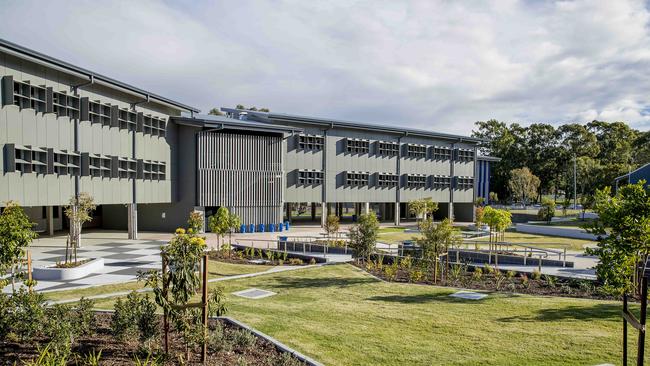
(602, 150)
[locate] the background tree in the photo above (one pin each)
(79, 211)
(435, 240)
(233, 224)
(423, 207)
(363, 235)
(331, 226)
(15, 235)
(523, 184)
(587, 202)
(220, 224)
(547, 211)
(215, 112)
(479, 212)
(625, 218)
(498, 221)
(493, 197)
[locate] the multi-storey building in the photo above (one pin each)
(148, 161)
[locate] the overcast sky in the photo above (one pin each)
(422, 64)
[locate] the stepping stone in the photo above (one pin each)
(468, 295)
(254, 293)
(258, 261)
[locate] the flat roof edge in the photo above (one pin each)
(76, 70)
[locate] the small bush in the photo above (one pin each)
(135, 317)
(550, 281)
(416, 275)
(285, 359)
(390, 272)
(477, 274)
(536, 275)
(525, 283)
(312, 261)
(243, 338)
(50, 356)
(406, 263)
(296, 261)
(511, 274)
(27, 311)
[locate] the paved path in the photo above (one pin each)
(272, 270)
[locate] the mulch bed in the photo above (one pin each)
(114, 352)
(488, 282)
(234, 258)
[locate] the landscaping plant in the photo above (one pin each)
(435, 240)
(363, 236)
(547, 211)
(623, 230)
(422, 208)
(219, 224)
(331, 226)
(195, 221)
(15, 235)
(79, 211)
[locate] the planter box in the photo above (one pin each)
(575, 233)
(63, 274)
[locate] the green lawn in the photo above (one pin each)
(215, 270)
(544, 241)
(342, 316)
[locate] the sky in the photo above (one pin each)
(435, 65)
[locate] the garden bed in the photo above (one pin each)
(488, 279)
(248, 255)
(69, 271)
(228, 344)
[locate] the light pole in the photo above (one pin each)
(575, 183)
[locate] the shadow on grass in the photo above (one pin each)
(424, 298)
(297, 282)
(594, 312)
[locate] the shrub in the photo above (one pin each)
(147, 319)
(124, 319)
(525, 283)
(511, 274)
(416, 275)
(27, 314)
(536, 275)
(477, 274)
(49, 356)
(488, 269)
(217, 303)
(243, 338)
(85, 316)
(456, 272)
(285, 359)
(499, 278)
(312, 261)
(296, 261)
(550, 280)
(406, 262)
(390, 272)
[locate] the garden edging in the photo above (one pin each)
(62, 274)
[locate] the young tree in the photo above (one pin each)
(79, 211)
(195, 221)
(220, 224)
(587, 202)
(423, 207)
(498, 221)
(233, 223)
(523, 184)
(493, 197)
(547, 211)
(480, 201)
(15, 235)
(625, 218)
(479, 213)
(331, 226)
(363, 235)
(435, 240)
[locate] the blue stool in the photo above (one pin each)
(271, 228)
(261, 228)
(242, 229)
(251, 228)
(280, 227)
(286, 225)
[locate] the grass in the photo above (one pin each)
(544, 241)
(391, 229)
(342, 316)
(215, 270)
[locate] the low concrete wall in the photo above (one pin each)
(484, 257)
(305, 257)
(555, 231)
(62, 274)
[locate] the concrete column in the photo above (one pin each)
(49, 213)
(323, 218)
(397, 220)
(132, 218)
(289, 212)
(313, 211)
(366, 209)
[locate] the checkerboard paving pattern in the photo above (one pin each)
(123, 260)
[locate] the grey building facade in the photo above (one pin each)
(148, 161)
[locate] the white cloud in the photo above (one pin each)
(437, 65)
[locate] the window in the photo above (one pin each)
(127, 119)
(416, 151)
(388, 148)
(441, 182)
(310, 177)
(441, 153)
(387, 180)
(23, 94)
(127, 168)
(464, 183)
(311, 142)
(356, 179)
(357, 146)
(465, 155)
(65, 105)
(416, 181)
